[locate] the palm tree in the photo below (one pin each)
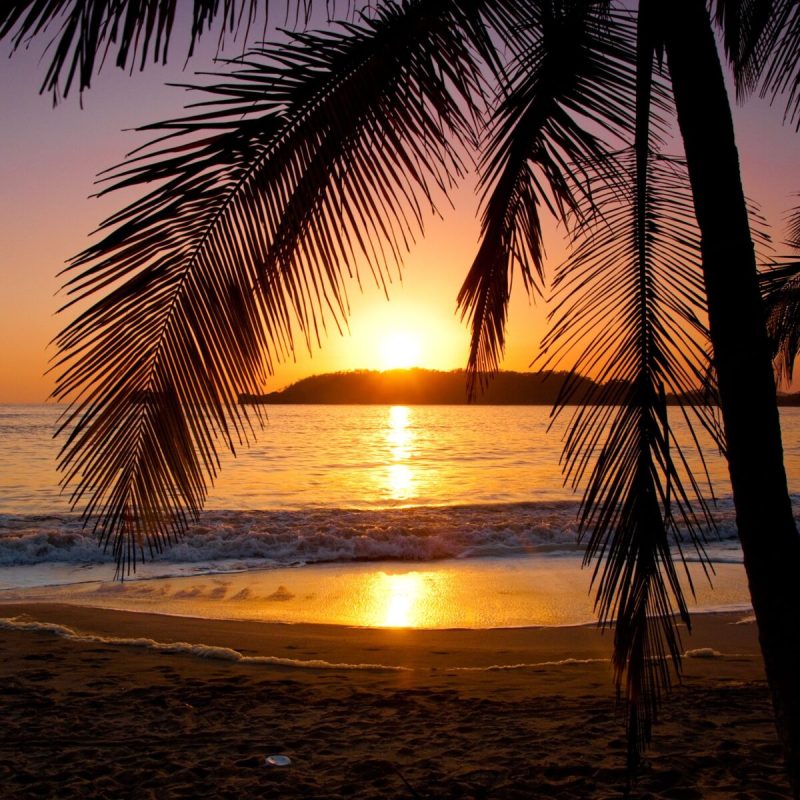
(312, 156)
(742, 352)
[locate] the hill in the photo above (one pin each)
(420, 387)
(432, 387)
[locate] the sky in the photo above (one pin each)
(49, 159)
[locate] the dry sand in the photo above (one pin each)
(85, 712)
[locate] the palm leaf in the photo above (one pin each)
(628, 311)
(780, 286)
(743, 24)
(762, 40)
(87, 31)
(309, 159)
(572, 79)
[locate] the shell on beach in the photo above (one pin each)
(277, 761)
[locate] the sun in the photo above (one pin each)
(400, 350)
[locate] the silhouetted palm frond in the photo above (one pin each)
(762, 40)
(628, 313)
(743, 24)
(572, 81)
(793, 238)
(629, 303)
(86, 32)
(780, 285)
(309, 158)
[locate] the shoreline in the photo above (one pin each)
(503, 714)
(480, 593)
(724, 637)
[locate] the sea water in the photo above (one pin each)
(434, 516)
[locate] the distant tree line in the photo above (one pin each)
(433, 387)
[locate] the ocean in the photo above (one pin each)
(425, 516)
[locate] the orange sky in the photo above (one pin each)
(49, 158)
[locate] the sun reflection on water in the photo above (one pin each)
(400, 435)
(400, 481)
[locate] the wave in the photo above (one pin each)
(263, 539)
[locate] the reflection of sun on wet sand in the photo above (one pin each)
(103, 703)
(402, 600)
(454, 593)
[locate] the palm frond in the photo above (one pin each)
(309, 158)
(743, 24)
(780, 286)
(762, 40)
(573, 78)
(793, 225)
(86, 32)
(628, 312)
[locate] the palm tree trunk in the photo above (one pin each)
(767, 530)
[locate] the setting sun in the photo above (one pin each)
(400, 350)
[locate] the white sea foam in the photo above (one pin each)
(710, 652)
(184, 648)
(242, 540)
(563, 662)
(703, 652)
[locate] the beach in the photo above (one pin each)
(102, 703)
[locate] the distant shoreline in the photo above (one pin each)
(433, 387)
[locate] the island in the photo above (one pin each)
(419, 386)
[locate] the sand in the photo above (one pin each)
(106, 704)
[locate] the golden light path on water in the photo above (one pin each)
(400, 438)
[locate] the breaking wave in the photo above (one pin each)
(264, 539)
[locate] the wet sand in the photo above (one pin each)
(98, 703)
